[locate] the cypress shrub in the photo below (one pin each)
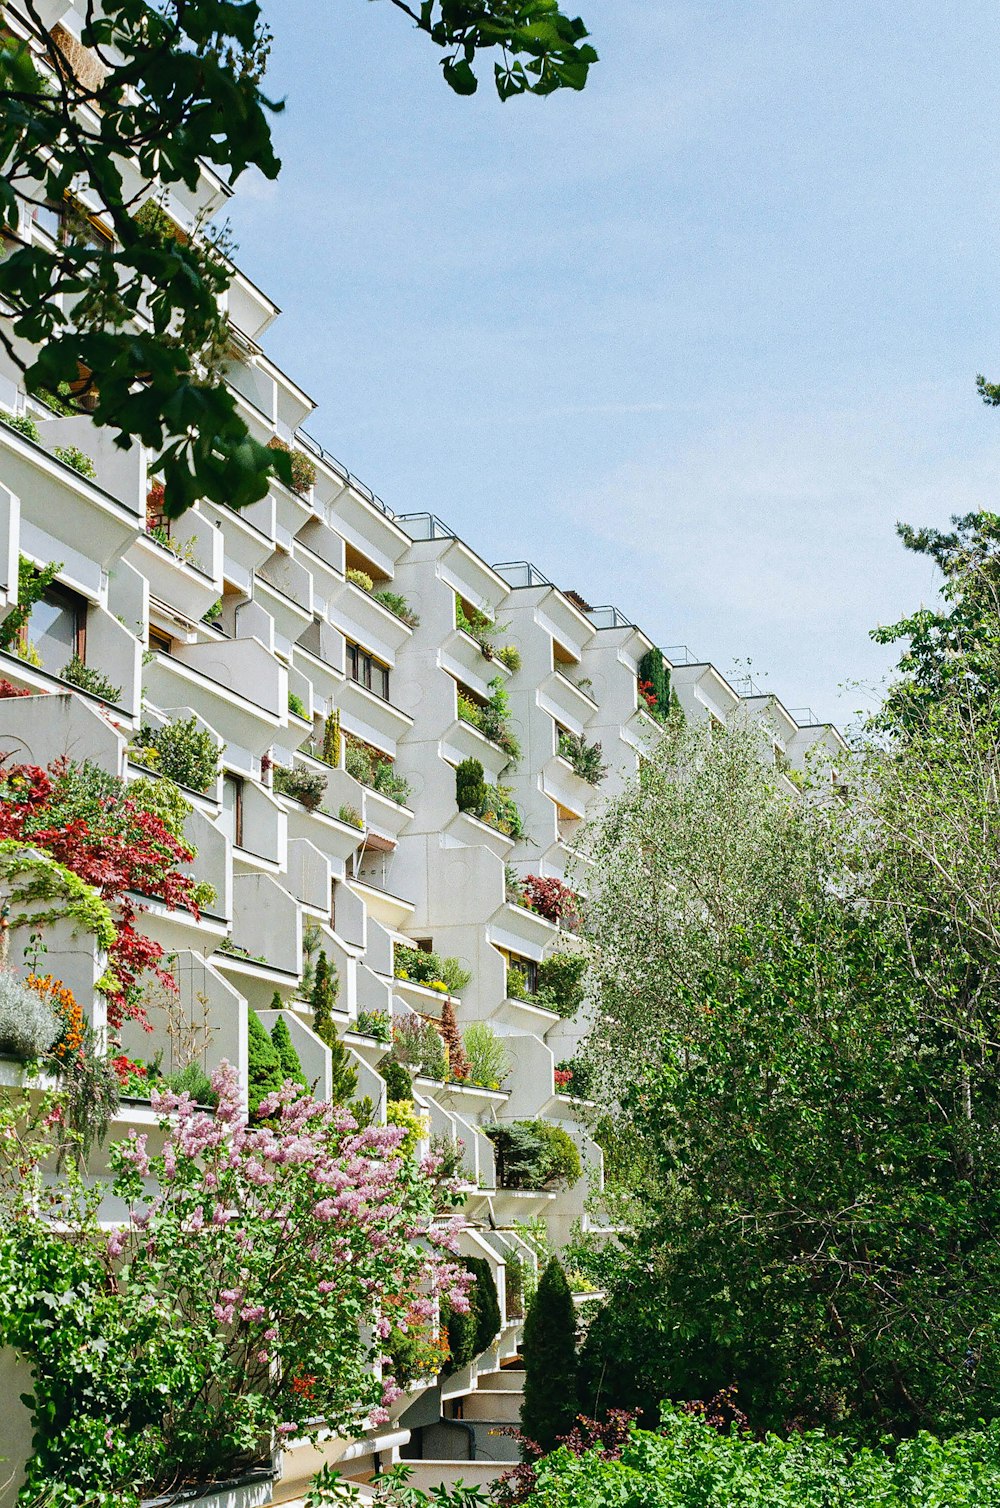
(264, 1070)
(323, 998)
(550, 1366)
(398, 1083)
(470, 787)
(291, 1068)
(469, 1335)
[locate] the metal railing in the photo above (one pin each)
(424, 526)
(521, 573)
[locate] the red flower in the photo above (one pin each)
(552, 899)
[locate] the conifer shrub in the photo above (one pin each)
(470, 787)
(291, 1067)
(264, 1070)
(471, 1333)
(458, 1062)
(550, 1365)
(398, 1084)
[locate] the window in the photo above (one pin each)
(57, 628)
(232, 809)
(367, 671)
(160, 641)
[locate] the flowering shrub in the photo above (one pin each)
(552, 899)
(562, 1077)
(247, 1294)
(105, 833)
(8, 689)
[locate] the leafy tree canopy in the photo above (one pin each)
(120, 312)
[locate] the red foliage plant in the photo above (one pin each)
(7, 688)
(86, 820)
(607, 1438)
(552, 899)
(562, 1076)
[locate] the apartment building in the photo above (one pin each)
(317, 634)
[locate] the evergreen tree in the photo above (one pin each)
(470, 787)
(549, 1408)
(343, 1073)
(323, 998)
(264, 1071)
(458, 1063)
(291, 1068)
(398, 1082)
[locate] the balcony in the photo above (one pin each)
(370, 718)
(186, 573)
(366, 621)
(565, 702)
(463, 741)
(563, 785)
(240, 687)
(36, 729)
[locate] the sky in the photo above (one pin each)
(692, 341)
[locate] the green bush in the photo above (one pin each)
(425, 967)
(587, 759)
(359, 579)
(470, 787)
(291, 1068)
(192, 1080)
(398, 605)
(181, 751)
(24, 424)
(510, 656)
(296, 705)
(690, 1463)
(472, 1333)
(489, 1064)
(264, 1071)
(307, 786)
(73, 456)
(533, 1154)
(549, 1405)
(76, 673)
(398, 1083)
(560, 985)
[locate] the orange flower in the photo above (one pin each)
(65, 1003)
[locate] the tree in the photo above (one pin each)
(124, 315)
(264, 1070)
(550, 1365)
(470, 787)
(706, 841)
(323, 999)
(291, 1068)
(451, 1035)
(471, 1332)
(955, 643)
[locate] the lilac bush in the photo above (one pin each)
(243, 1298)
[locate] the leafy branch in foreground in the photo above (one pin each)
(115, 308)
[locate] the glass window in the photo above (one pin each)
(55, 628)
(367, 671)
(232, 809)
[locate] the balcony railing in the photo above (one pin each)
(521, 573)
(424, 526)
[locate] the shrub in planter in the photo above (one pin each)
(101, 842)
(194, 1331)
(352, 817)
(552, 899)
(489, 1064)
(303, 470)
(404, 1115)
(89, 679)
(307, 786)
(398, 1083)
(182, 751)
(297, 706)
(419, 1046)
(560, 985)
(470, 787)
(29, 1026)
(534, 1154)
(73, 456)
(331, 739)
(510, 656)
(360, 579)
(377, 1024)
(23, 424)
(587, 759)
(501, 811)
(388, 783)
(473, 1331)
(398, 605)
(458, 1063)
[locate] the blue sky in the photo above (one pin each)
(693, 340)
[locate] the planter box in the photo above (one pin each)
(250, 1491)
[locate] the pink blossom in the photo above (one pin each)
(263, 1356)
(325, 1286)
(287, 1429)
(116, 1243)
(252, 1312)
(377, 1417)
